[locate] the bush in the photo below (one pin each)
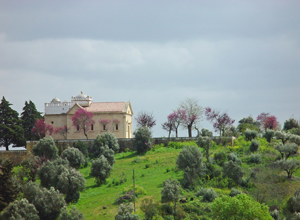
(208, 195)
(125, 213)
(71, 214)
(234, 192)
(142, 140)
(234, 158)
(190, 160)
(180, 145)
(269, 134)
(100, 169)
(254, 146)
(171, 193)
(111, 141)
(74, 156)
(206, 132)
(233, 171)
(255, 158)
(82, 147)
(48, 203)
(220, 157)
(21, 210)
(45, 148)
(150, 208)
(205, 144)
(250, 134)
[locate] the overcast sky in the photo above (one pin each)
(242, 57)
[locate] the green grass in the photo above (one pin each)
(94, 198)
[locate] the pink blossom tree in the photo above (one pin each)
(193, 114)
(41, 128)
(175, 119)
(145, 119)
(105, 123)
(220, 120)
(267, 121)
(63, 131)
(82, 120)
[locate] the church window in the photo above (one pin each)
(104, 127)
(52, 122)
(117, 127)
(77, 127)
(92, 127)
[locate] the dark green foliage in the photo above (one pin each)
(190, 160)
(287, 150)
(46, 148)
(289, 166)
(295, 202)
(142, 139)
(20, 210)
(11, 130)
(206, 132)
(234, 158)
(269, 134)
(254, 145)
(48, 202)
(248, 123)
(220, 158)
(100, 169)
(205, 143)
(59, 175)
(80, 145)
(150, 208)
(111, 141)
(74, 156)
(125, 213)
(233, 171)
(295, 131)
(275, 214)
(71, 214)
(170, 193)
(234, 192)
(290, 124)
(255, 158)
(250, 134)
(9, 190)
(29, 117)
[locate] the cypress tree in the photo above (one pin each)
(11, 130)
(29, 117)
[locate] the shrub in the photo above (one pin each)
(190, 160)
(80, 145)
(48, 203)
(234, 158)
(111, 141)
(209, 195)
(250, 134)
(150, 208)
(255, 158)
(254, 146)
(71, 214)
(21, 210)
(206, 132)
(74, 156)
(220, 157)
(125, 213)
(287, 150)
(45, 148)
(234, 192)
(100, 169)
(269, 134)
(142, 140)
(180, 145)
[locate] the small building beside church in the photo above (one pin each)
(115, 117)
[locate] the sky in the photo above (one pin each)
(239, 57)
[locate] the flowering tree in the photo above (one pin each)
(41, 128)
(193, 114)
(175, 119)
(63, 131)
(220, 120)
(82, 120)
(145, 119)
(105, 123)
(268, 121)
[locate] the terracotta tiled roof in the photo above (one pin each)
(107, 107)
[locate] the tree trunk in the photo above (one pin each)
(176, 132)
(190, 130)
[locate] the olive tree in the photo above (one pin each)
(269, 134)
(205, 144)
(142, 139)
(289, 166)
(233, 171)
(287, 150)
(71, 214)
(111, 141)
(21, 210)
(48, 202)
(171, 193)
(125, 213)
(100, 148)
(100, 169)
(46, 148)
(250, 134)
(74, 156)
(190, 160)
